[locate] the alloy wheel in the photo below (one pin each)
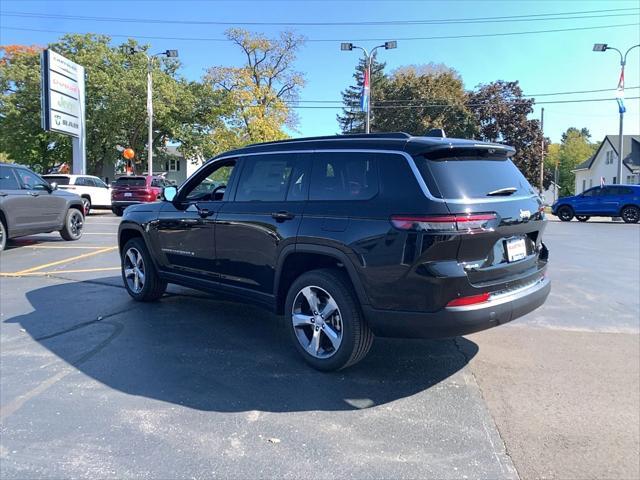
(134, 270)
(630, 214)
(317, 322)
(76, 222)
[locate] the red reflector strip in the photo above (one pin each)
(471, 300)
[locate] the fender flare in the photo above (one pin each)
(332, 252)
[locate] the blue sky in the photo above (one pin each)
(543, 63)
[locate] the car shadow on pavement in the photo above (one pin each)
(207, 353)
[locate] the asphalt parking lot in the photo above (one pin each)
(95, 385)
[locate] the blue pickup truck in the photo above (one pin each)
(607, 201)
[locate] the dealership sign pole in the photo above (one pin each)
(63, 103)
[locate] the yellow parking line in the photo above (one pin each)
(66, 260)
(58, 272)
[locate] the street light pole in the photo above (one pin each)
(367, 57)
(168, 54)
(603, 47)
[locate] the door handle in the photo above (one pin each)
(3, 194)
(188, 221)
(282, 216)
(34, 194)
(204, 212)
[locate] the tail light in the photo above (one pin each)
(467, 223)
(470, 300)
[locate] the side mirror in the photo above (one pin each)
(54, 186)
(169, 193)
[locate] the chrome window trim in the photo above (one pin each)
(410, 160)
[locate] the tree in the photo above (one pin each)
(21, 137)
(573, 149)
(502, 112)
(184, 111)
(259, 91)
(353, 117)
(420, 98)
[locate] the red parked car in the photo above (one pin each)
(131, 190)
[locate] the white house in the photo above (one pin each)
(604, 163)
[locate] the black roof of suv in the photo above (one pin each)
(350, 236)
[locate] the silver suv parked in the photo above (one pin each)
(29, 205)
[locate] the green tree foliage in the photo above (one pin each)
(258, 92)
(184, 111)
(502, 113)
(21, 137)
(352, 119)
(575, 147)
(440, 95)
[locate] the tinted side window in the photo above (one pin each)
(83, 182)
(265, 178)
(7, 179)
(156, 182)
(31, 181)
(594, 192)
(343, 176)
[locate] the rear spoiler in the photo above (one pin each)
(487, 151)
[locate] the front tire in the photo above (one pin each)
(565, 214)
(73, 225)
(630, 214)
(139, 274)
(3, 236)
(86, 205)
(583, 218)
(325, 321)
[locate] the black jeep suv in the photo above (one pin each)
(350, 237)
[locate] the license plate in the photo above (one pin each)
(128, 194)
(516, 249)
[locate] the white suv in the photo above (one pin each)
(94, 192)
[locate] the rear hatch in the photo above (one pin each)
(131, 189)
(497, 213)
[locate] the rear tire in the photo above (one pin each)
(73, 225)
(565, 213)
(117, 211)
(3, 236)
(343, 337)
(583, 218)
(630, 214)
(139, 274)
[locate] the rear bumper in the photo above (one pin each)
(454, 321)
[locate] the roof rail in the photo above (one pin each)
(390, 135)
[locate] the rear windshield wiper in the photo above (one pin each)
(502, 192)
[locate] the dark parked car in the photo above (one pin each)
(607, 201)
(30, 205)
(350, 236)
(131, 190)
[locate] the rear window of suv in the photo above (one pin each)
(472, 177)
(131, 182)
(59, 179)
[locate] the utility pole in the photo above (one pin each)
(542, 151)
(367, 80)
(168, 54)
(603, 47)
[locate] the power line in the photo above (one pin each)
(442, 105)
(577, 15)
(333, 40)
(527, 96)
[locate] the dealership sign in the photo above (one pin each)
(62, 95)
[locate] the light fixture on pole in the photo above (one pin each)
(366, 86)
(603, 47)
(168, 54)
